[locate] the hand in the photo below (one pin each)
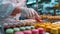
(30, 13)
(35, 15)
(26, 12)
(15, 11)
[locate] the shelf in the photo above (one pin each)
(31, 2)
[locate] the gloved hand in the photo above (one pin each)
(25, 12)
(28, 12)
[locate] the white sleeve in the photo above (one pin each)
(12, 1)
(5, 9)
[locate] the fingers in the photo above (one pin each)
(28, 13)
(31, 13)
(36, 14)
(15, 11)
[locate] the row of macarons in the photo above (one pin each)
(23, 31)
(21, 28)
(6, 25)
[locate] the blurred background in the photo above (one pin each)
(45, 6)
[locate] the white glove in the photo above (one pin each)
(28, 12)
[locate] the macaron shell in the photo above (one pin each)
(16, 29)
(41, 30)
(19, 33)
(27, 32)
(28, 28)
(35, 31)
(22, 28)
(32, 27)
(9, 31)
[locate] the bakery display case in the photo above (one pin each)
(49, 15)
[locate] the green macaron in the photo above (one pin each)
(28, 28)
(9, 31)
(32, 27)
(16, 29)
(22, 28)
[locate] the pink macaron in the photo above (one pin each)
(35, 31)
(27, 32)
(41, 30)
(19, 33)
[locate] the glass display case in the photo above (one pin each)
(45, 6)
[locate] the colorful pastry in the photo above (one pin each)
(16, 29)
(9, 31)
(22, 28)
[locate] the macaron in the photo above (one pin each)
(35, 31)
(16, 29)
(41, 30)
(22, 28)
(15, 24)
(27, 32)
(32, 27)
(6, 25)
(11, 25)
(22, 24)
(9, 31)
(28, 28)
(18, 24)
(19, 33)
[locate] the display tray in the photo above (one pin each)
(50, 17)
(3, 31)
(14, 32)
(45, 20)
